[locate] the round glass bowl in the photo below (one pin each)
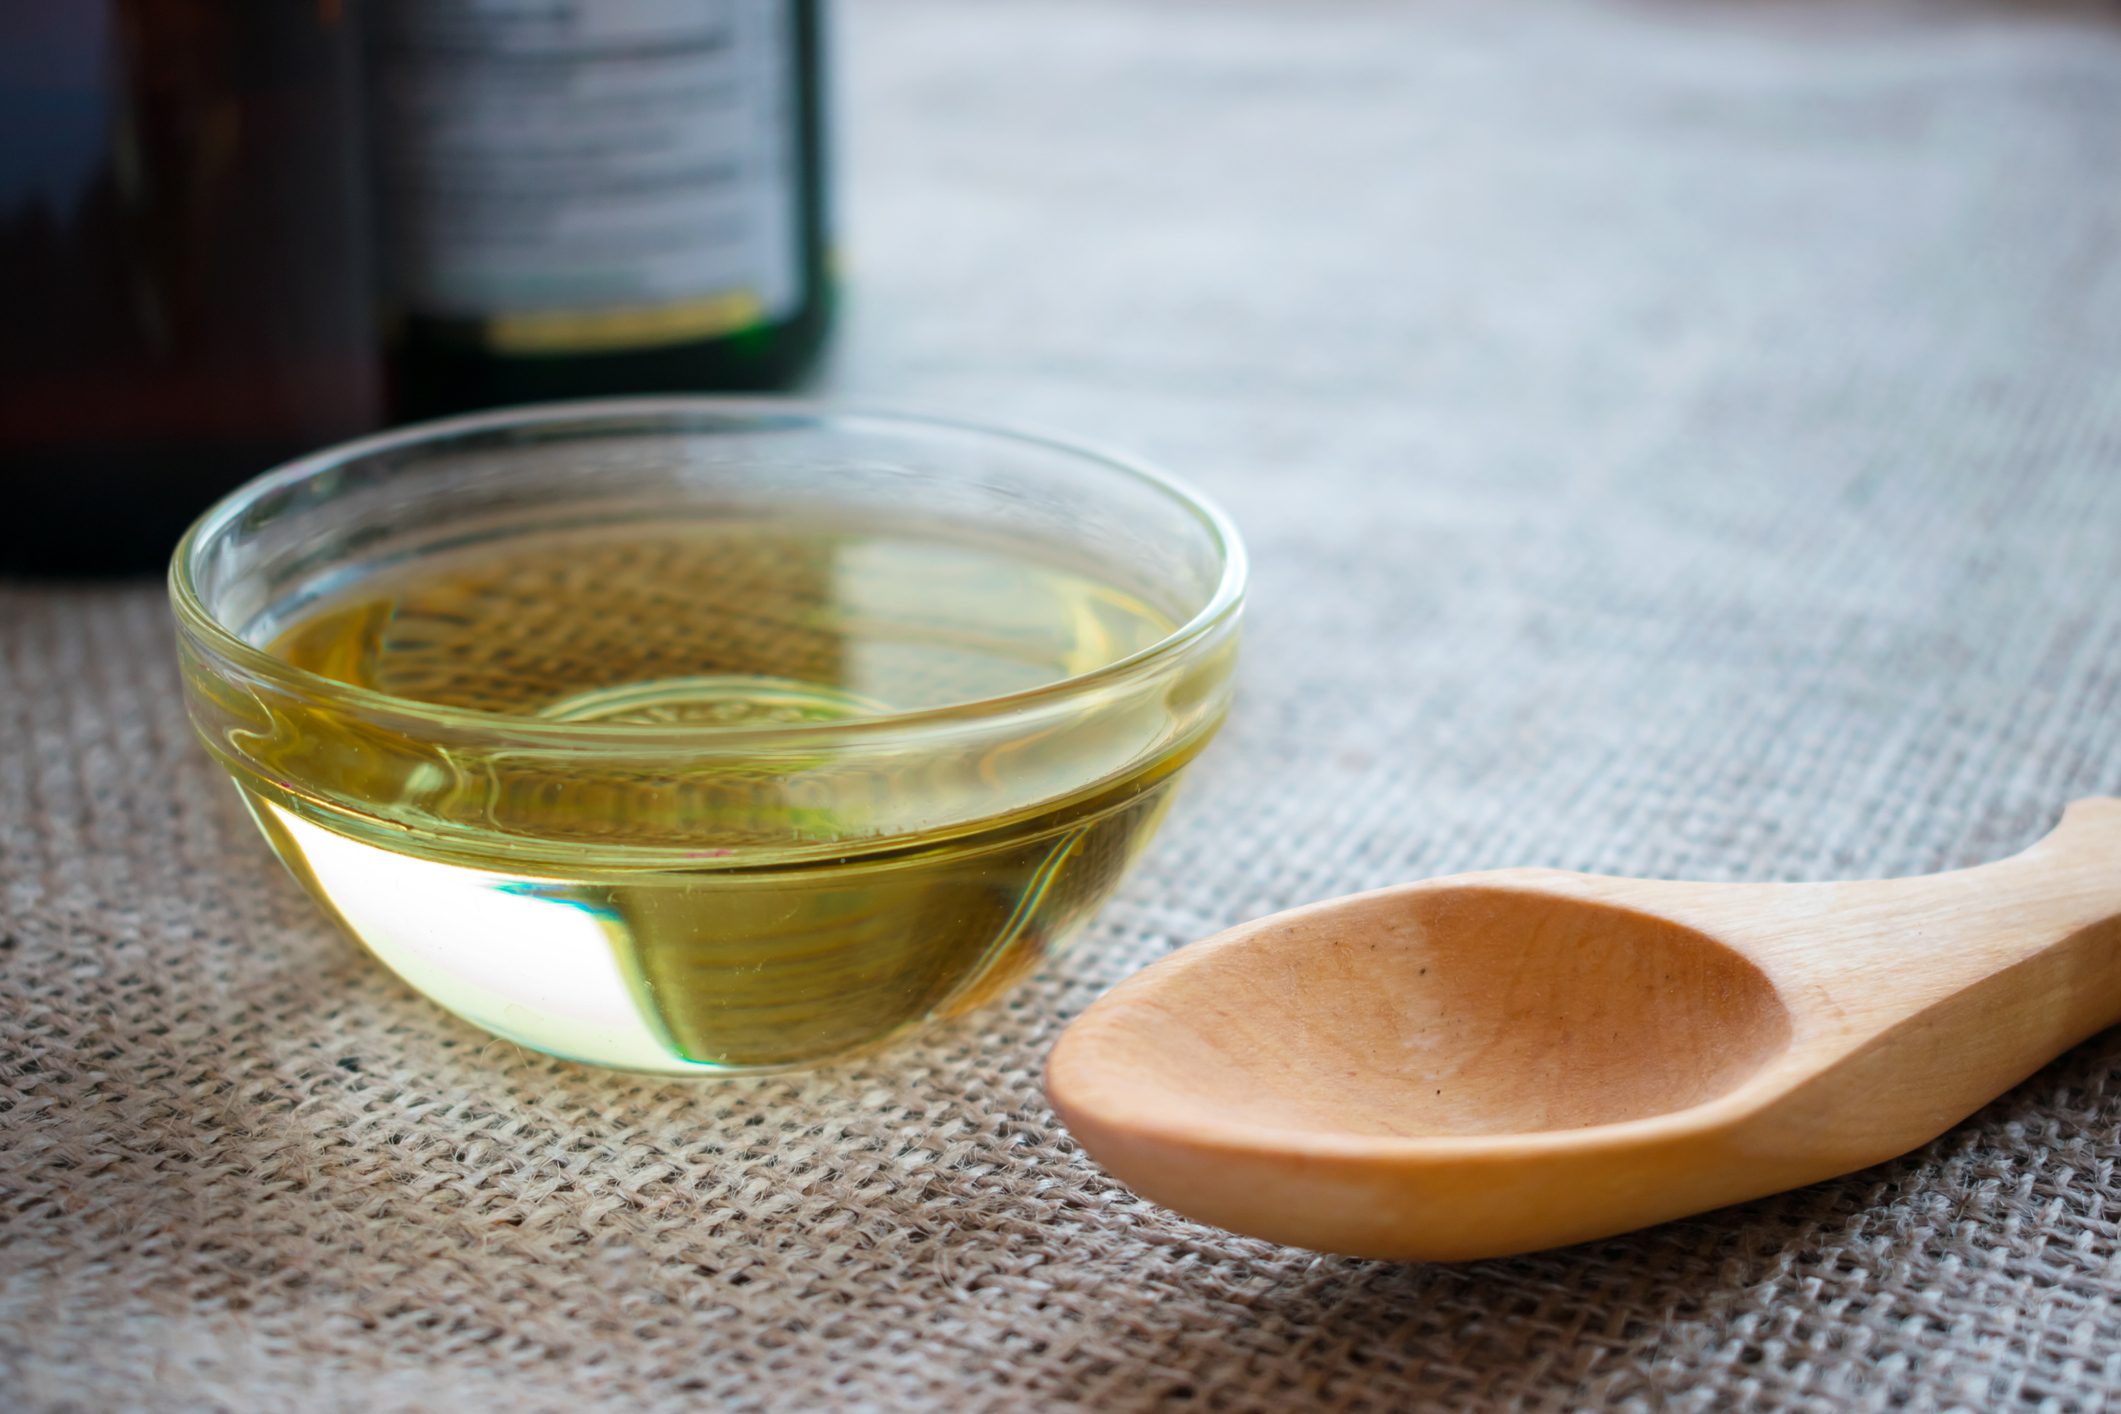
(700, 736)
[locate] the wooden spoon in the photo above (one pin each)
(1491, 1063)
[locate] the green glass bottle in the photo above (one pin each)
(591, 197)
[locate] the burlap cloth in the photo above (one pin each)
(1674, 440)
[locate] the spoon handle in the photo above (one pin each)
(1915, 1001)
(1908, 941)
(1924, 938)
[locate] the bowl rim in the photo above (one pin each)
(1221, 607)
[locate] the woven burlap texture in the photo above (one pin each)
(1678, 441)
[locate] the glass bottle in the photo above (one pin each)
(185, 264)
(588, 197)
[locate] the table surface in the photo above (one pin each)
(1674, 439)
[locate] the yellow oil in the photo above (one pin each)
(728, 913)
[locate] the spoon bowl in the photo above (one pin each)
(1416, 1013)
(1491, 1063)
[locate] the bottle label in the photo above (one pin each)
(578, 175)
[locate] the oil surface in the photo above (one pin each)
(676, 919)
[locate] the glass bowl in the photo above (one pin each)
(697, 736)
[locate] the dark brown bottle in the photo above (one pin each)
(185, 264)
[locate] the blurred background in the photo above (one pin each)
(232, 234)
